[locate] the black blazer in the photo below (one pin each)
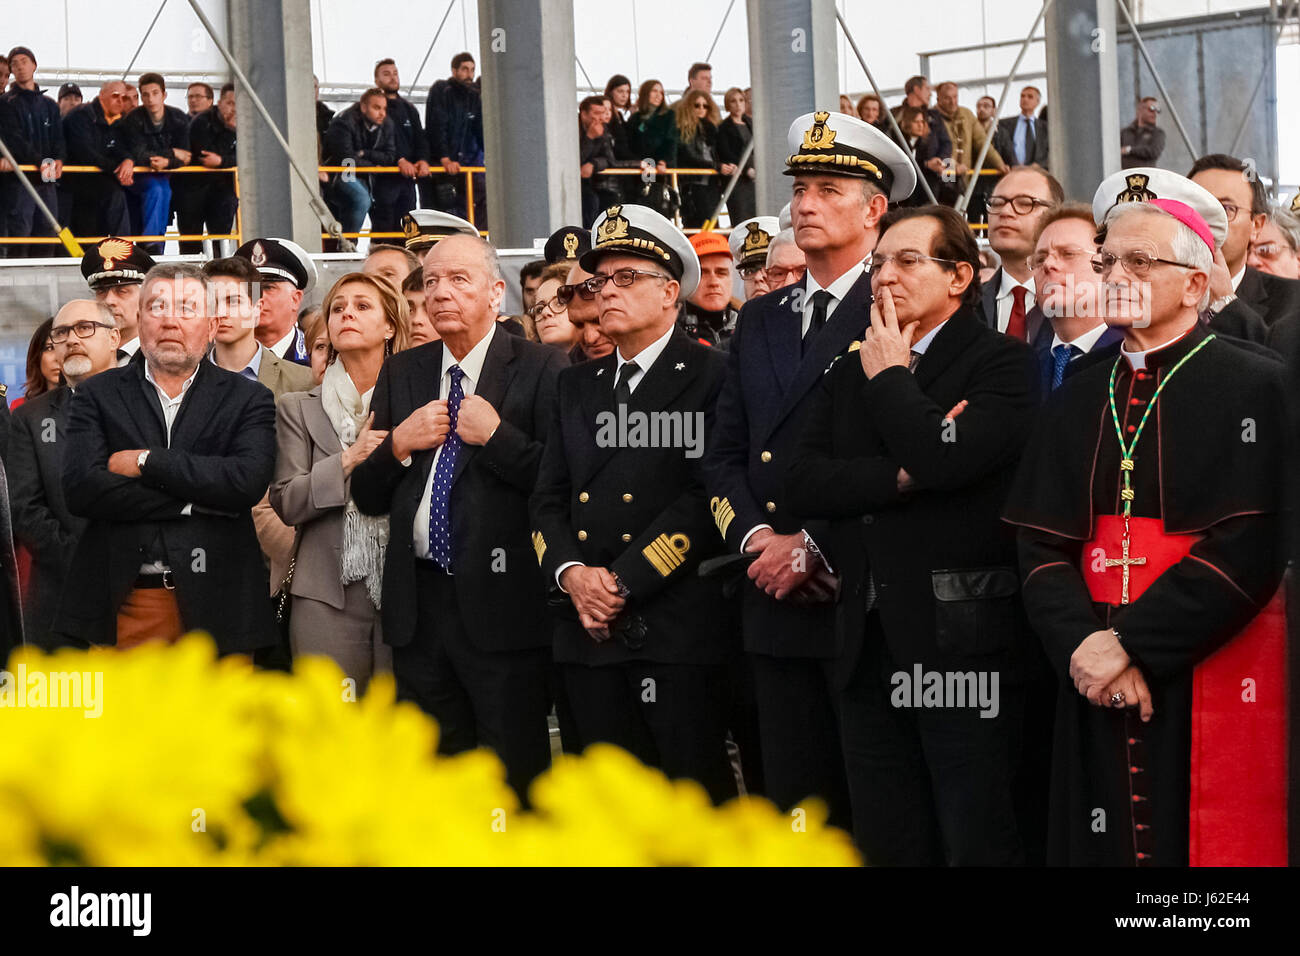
(1043, 349)
(219, 461)
(642, 511)
(1271, 297)
(502, 610)
(761, 413)
(1004, 140)
(943, 562)
(42, 522)
(1036, 325)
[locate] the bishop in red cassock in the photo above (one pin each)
(1149, 506)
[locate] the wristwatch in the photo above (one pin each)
(1117, 635)
(810, 545)
(140, 459)
(1221, 303)
(623, 590)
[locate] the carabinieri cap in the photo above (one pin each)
(114, 261)
(280, 260)
(836, 144)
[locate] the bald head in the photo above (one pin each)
(112, 98)
(89, 339)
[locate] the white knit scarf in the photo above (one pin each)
(365, 538)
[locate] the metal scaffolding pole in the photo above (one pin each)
(429, 52)
(1160, 85)
(136, 54)
(1006, 88)
(310, 184)
(920, 173)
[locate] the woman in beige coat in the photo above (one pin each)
(323, 435)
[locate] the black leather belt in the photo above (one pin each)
(165, 580)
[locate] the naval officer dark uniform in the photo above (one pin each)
(785, 341)
(655, 686)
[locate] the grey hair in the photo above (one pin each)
(1288, 224)
(174, 271)
(783, 238)
(1187, 247)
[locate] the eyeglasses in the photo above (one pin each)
(622, 278)
(1267, 250)
(565, 293)
(84, 330)
(701, 106)
(1066, 256)
(1023, 205)
(1136, 264)
(554, 304)
(779, 274)
(1231, 208)
(907, 259)
(749, 271)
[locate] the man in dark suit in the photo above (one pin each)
(85, 339)
(620, 517)
(1016, 209)
(910, 446)
(783, 344)
(1245, 201)
(165, 458)
(1071, 295)
(464, 605)
(1022, 139)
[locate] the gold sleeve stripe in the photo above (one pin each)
(539, 545)
(666, 554)
(723, 514)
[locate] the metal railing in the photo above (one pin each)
(467, 171)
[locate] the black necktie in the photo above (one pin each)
(820, 300)
(622, 390)
(1029, 140)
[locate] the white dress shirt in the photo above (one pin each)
(170, 408)
(1236, 280)
(838, 290)
(1083, 343)
(1006, 301)
(130, 348)
(644, 360)
(472, 367)
(924, 343)
(282, 347)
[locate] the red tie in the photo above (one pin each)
(1016, 323)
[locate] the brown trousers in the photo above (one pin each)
(148, 614)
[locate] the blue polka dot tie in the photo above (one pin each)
(1061, 356)
(440, 498)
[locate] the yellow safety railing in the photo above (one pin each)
(467, 171)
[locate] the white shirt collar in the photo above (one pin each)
(1083, 343)
(130, 348)
(1009, 282)
(472, 363)
(1138, 360)
(920, 347)
(838, 289)
(167, 399)
(645, 358)
(1236, 280)
(281, 348)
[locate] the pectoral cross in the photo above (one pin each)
(1125, 562)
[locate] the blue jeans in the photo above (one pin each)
(149, 199)
(349, 201)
